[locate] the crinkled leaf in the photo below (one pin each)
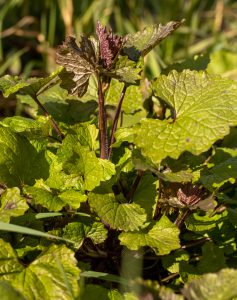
(203, 107)
(79, 63)
(19, 161)
(72, 198)
(59, 180)
(77, 232)
(44, 197)
(31, 128)
(75, 82)
(12, 84)
(163, 237)
(53, 275)
(80, 160)
(125, 70)
(144, 41)
(123, 216)
(132, 100)
(54, 200)
(219, 286)
(110, 45)
(86, 135)
(12, 204)
(9, 264)
(96, 232)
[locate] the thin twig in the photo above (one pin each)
(195, 243)
(102, 122)
(157, 209)
(168, 278)
(116, 118)
(47, 114)
(135, 184)
(181, 218)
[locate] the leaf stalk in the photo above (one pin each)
(47, 114)
(102, 122)
(116, 118)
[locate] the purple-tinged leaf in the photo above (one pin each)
(79, 62)
(110, 45)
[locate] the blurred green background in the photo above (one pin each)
(30, 31)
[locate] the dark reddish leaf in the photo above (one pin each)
(110, 45)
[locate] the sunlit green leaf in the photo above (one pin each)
(53, 275)
(77, 232)
(31, 128)
(53, 200)
(80, 160)
(202, 107)
(10, 85)
(12, 204)
(126, 70)
(163, 237)
(123, 216)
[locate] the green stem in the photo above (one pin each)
(116, 118)
(102, 122)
